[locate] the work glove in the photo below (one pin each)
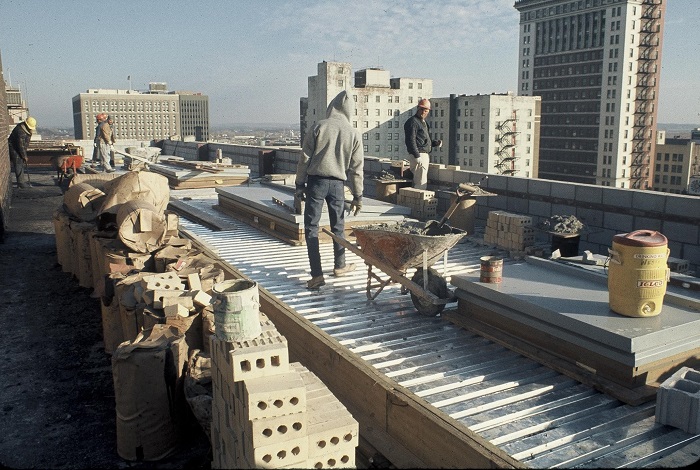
(356, 205)
(300, 193)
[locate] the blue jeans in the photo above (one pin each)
(332, 192)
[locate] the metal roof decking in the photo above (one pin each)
(536, 415)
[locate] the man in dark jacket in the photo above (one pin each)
(419, 144)
(18, 143)
(332, 154)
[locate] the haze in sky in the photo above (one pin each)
(253, 58)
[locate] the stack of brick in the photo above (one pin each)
(270, 413)
(509, 231)
(423, 203)
(678, 401)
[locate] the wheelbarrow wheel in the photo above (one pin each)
(436, 286)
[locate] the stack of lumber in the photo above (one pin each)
(184, 174)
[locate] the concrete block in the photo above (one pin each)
(201, 298)
(259, 357)
(292, 453)
(678, 401)
(266, 397)
(176, 310)
(194, 282)
(563, 191)
(678, 265)
(648, 200)
(163, 281)
(155, 297)
(539, 187)
(682, 205)
(266, 431)
(684, 233)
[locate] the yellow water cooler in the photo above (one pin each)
(638, 273)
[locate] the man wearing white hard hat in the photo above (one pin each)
(18, 142)
(419, 144)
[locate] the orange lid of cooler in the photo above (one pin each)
(641, 238)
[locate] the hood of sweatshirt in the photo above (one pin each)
(341, 106)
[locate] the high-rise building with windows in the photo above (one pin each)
(676, 165)
(382, 104)
(497, 133)
(596, 65)
(153, 115)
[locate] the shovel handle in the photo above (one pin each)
(460, 195)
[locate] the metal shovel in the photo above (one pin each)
(440, 227)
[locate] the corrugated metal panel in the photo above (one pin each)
(537, 415)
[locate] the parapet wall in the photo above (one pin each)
(605, 211)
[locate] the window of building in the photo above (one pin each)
(377, 148)
(376, 136)
(420, 86)
(410, 85)
(365, 136)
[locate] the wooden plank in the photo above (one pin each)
(198, 216)
(413, 433)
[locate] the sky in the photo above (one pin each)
(253, 58)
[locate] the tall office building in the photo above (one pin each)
(382, 104)
(153, 115)
(676, 165)
(596, 65)
(497, 133)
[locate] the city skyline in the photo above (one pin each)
(253, 62)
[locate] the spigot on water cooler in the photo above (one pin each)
(638, 273)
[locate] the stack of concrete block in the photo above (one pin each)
(509, 231)
(270, 413)
(423, 203)
(678, 265)
(678, 401)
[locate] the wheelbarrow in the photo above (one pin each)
(396, 248)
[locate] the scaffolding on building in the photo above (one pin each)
(647, 73)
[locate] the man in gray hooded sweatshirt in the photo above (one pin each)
(331, 155)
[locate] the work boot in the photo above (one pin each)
(348, 268)
(315, 282)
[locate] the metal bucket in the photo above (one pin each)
(638, 273)
(491, 269)
(236, 310)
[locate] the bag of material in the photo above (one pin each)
(148, 389)
(141, 226)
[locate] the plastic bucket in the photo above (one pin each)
(638, 273)
(491, 269)
(236, 310)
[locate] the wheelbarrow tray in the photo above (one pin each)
(402, 245)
